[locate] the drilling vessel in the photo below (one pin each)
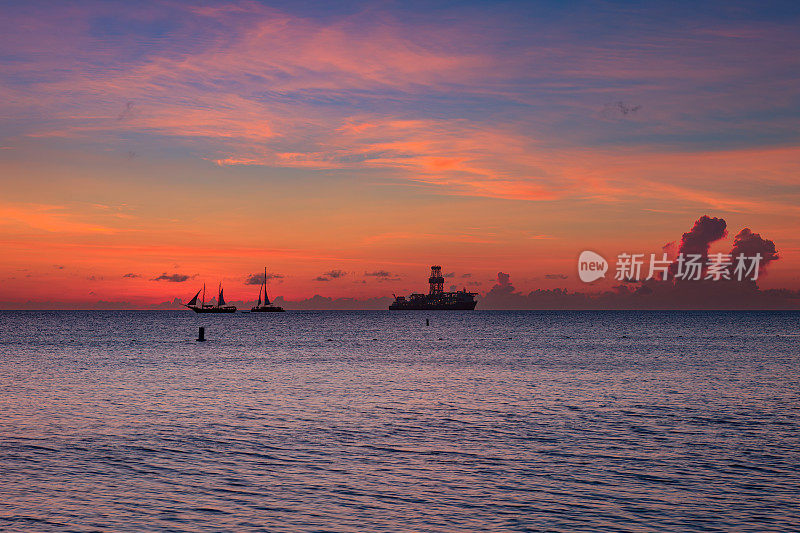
(436, 299)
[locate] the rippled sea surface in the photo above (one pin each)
(371, 421)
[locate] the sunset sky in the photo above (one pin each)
(149, 147)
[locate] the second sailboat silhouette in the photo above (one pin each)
(267, 307)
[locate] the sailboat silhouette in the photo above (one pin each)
(219, 307)
(267, 307)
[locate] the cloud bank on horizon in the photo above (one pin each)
(673, 293)
(643, 294)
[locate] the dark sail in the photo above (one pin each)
(266, 298)
(259, 298)
(221, 301)
(193, 301)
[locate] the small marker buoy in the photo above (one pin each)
(427, 322)
(201, 334)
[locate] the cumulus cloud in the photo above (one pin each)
(749, 244)
(697, 240)
(132, 275)
(503, 285)
(705, 231)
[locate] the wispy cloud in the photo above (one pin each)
(382, 275)
(379, 274)
(330, 275)
(50, 218)
(258, 278)
(174, 278)
(276, 88)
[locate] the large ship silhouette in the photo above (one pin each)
(436, 299)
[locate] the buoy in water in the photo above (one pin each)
(201, 334)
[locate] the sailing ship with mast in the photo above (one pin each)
(267, 307)
(204, 307)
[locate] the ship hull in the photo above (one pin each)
(267, 309)
(213, 309)
(408, 306)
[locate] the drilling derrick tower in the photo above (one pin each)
(436, 280)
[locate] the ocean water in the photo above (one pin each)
(371, 421)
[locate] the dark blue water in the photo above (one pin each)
(370, 421)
